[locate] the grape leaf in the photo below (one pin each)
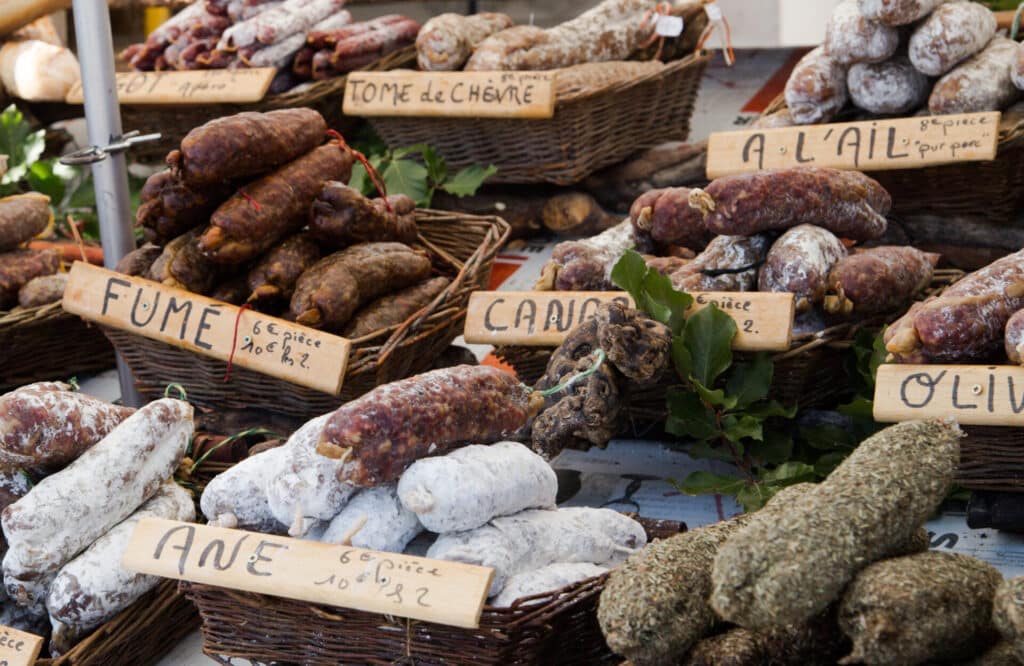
(708, 334)
(750, 381)
(468, 180)
(408, 178)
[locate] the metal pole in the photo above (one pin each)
(103, 119)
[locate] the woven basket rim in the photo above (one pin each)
(33, 315)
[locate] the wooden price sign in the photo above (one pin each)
(972, 394)
(875, 145)
(18, 648)
(207, 86)
(451, 94)
(449, 593)
(180, 318)
(764, 321)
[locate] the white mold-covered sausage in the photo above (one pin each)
(546, 579)
(799, 262)
(388, 525)
(470, 486)
(238, 497)
(891, 87)
(982, 83)
(954, 32)
(67, 511)
(306, 487)
(816, 90)
(897, 12)
(536, 538)
(94, 587)
(851, 37)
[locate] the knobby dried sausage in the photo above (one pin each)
(878, 280)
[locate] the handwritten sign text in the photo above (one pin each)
(18, 648)
(972, 394)
(188, 87)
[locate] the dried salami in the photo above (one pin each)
(799, 263)
(982, 83)
(341, 216)
(891, 87)
(586, 265)
(272, 280)
(391, 310)
(816, 90)
(139, 261)
(42, 290)
(1014, 338)
(17, 267)
(22, 217)
(447, 40)
(238, 497)
(878, 280)
(851, 37)
(666, 216)
(386, 525)
(954, 32)
(897, 12)
(728, 263)
(169, 207)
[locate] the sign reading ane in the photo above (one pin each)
(180, 318)
(972, 394)
(874, 145)
(764, 321)
(415, 587)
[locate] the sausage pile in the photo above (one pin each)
(428, 453)
(254, 209)
(302, 39)
(892, 57)
(28, 278)
(784, 230)
(76, 475)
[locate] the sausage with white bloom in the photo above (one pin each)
(374, 519)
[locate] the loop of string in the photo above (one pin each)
(600, 358)
(234, 340)
(715, 18)
(176, 387)
(257, 432)
(248, 197)
(371, 172)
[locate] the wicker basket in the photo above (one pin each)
(991, 191)
(558, 627)
(461, 246)
(174, 122)
(992, 458)
(45, 342)
(589, 130)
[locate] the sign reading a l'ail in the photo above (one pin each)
(180, 318)
(972, 394)
(206, 86)
(449, 593)
(873, 145)
(764, 321)
(18, 648)
(451, 94)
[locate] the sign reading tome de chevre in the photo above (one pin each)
(451, 94)
(205, 86)
(180, 318)
(764, 321)
(18, 648)
(873, 145)
(449, 593)
(972, 394)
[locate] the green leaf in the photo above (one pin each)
(870, 353)
(21, 145)
(437, 168)
(688, 416)
(788, 474)
(707, 483)
(408, 178)
(664, 303)
(709, 333)
(754, 496)
(360, 180)
(777, 447)
(681, 358)
(467, 181)
(409, 150)
(629, 273)
(738, 428)
(767, 410)
(716, 398)
(41, 178)
(750, 381)
(827, 437)
(858, 408)
(705, 450)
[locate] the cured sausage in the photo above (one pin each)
(342, 216)
(954, 32)
(238, 497)
(69, 510)
(23, 217)
(665, 215)
(475, 484)
(728, 263)
(966, 323)
(878, 280)
(533, 539)
(799, 263)
(388, 526)
(94, 587)
(983, 83)
(897, 12)
(612, 30)
(42, 290)
(382, 38)
(378, 435)
(328, 294)
(273, 25)
(447, 40)
(890, 87)
(269, 209)
(190, 269)
(850, 37)
(551, 578)
(245, 144)
(272, 280)
(1014, 338)
(586, 265)
(847, 203)
(17, 267)
(140, 260)
(816, 90)
(391, 310)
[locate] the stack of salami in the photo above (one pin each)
(904, 56)
(217, 34)
(786, 230)
(76, 476)
(28, 278)
(254, 209)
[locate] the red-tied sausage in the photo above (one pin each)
(380, 434)
(967, 322)
(269, 209)
(666, 216)
(847, 203)
(342, 216)
(246, 144)
(878, 280)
